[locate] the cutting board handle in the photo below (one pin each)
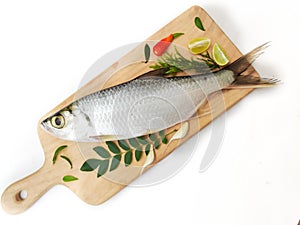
(20, 195)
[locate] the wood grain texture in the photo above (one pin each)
(95, 190)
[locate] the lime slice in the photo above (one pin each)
(219, 55)
(199, 45)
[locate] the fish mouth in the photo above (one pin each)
(44, 125)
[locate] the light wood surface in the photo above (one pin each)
(95, 190)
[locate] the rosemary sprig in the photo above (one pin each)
(176, 62)
(210, 62)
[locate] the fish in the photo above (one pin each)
(149, 103)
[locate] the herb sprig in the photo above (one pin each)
(123, 150)
(176, 62)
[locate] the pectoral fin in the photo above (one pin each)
(104, 138)
(203, 109)
(154, 73)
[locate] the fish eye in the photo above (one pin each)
(58, 121)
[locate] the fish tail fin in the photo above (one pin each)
(247, 80)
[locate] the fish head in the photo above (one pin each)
(68, 124)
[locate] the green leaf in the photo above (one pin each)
(103, 167)
(123, 144)
(164, 140)
(161, 133)
(90, 165)
(68, 160)
(147, 53)
(134, 143)
(142, 140)
(176, 35)
(199, 24)
(128, 158)
(113, 147)
(102, 152)
(115, 162)
(138, 154)
(156, 144)
(152, 137)
(69, 178)
(58, 150)
(147, 149)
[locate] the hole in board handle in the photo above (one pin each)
(21, 196)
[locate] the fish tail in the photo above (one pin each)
(243, 71)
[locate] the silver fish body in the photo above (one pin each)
(148, 104)
(135, 108)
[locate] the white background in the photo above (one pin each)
(47, 46)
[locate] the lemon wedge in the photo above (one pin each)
(199, 45)
(219, 55)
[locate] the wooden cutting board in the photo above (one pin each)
(88, 187)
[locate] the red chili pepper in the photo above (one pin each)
(164, 43)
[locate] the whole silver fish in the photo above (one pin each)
(145, 105)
